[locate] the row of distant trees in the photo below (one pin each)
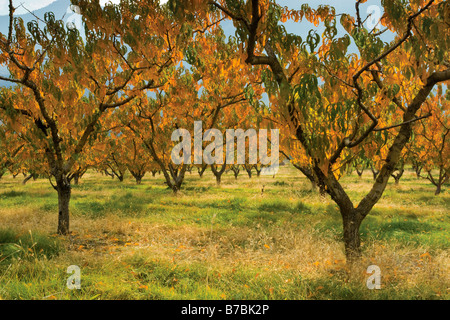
(131, 157)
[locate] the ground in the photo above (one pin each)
(239, 240)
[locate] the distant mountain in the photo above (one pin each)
(58, 7)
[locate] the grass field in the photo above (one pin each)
(220, 242)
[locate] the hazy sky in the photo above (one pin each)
(341, 6)
(32, 5)
(29, 4)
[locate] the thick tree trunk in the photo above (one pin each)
(64, 193)
(351, 216)
(352, 239)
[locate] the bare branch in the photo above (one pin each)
(231, 15)
(405, 122)
(207, 26)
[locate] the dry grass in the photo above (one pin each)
(228, 239)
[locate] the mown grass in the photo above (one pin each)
(258, 238)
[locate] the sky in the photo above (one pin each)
(23, 6)
(341, 6)
(33, 5)
(29, 4)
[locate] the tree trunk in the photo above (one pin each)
(438, 190)
(359, 172)
(398, 176)
(351, 216)
(78, 175)
(235, 170)
(177, 178)
(201, 170)
(352, 239)
(26, 179)
(374, 172)
(313, 185)
(418, 170)
(218, 173)
(308, 173)
(137, 174)
(76, 178)
(439, 181)
(64, 193)
(249, 170)
(109, 174)
(258, 172)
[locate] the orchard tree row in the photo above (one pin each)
(142, 70)
(428, 161)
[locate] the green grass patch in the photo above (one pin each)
(29, 245)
